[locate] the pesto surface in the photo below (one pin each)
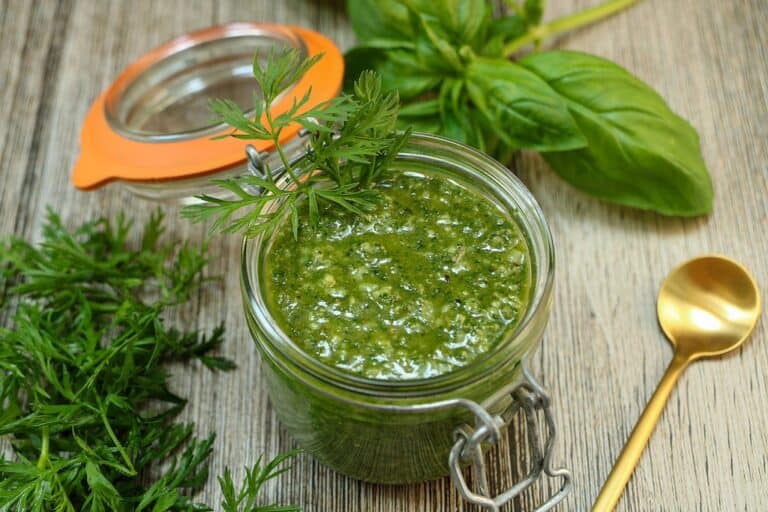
(428, 281)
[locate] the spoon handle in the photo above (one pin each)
(630, 455)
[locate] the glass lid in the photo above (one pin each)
(153, 123)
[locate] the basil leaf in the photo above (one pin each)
(421, 108)
(386, 44)
(640, 153)
(399, 70)
(438, 40)
(426, 124)
(508, 27)
(379, 19)
(359, 59)
(533, 10)
(463, 21)
(428, 57)
(500, 31)
(457, 122)
(420, 116)
(464, 125)
(527, 113)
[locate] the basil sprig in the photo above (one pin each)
(603, 130)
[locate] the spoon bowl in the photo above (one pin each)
(708, 306)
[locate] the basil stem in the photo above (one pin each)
(567, 23)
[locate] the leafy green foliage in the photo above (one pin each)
(534, 115)
(450, 61)
(503, 30)
(377, 20)
(532, 11)
(352, 141)
(84, 395)
(244, 499)
(640, 153)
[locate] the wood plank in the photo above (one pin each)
(32, 34)
(603, 351)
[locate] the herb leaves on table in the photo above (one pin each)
(84, 395)
(244, 499)
(352, 141)
(458, 72)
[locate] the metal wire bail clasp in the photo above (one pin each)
(533, 400)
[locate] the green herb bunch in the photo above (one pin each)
(351, 138)
(84, 395)
(460, 73)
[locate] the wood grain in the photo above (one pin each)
(603, 352)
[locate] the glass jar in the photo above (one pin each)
(406, 431)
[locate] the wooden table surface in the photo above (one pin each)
(603, 352)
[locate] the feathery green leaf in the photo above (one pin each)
(352, 141)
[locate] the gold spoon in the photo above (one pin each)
(707, 306)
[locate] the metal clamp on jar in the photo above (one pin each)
(532, 399)
(151, 132)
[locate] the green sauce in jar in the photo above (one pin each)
(426, 283)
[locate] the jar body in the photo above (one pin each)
(409, 444)
(399, 432)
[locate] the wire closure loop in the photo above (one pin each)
(533, 400)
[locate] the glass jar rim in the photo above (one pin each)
(529, 217)
(184, 60)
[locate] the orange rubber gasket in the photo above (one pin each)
(107, 155)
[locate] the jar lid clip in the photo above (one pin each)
(531, 397)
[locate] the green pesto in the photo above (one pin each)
(431, 279)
